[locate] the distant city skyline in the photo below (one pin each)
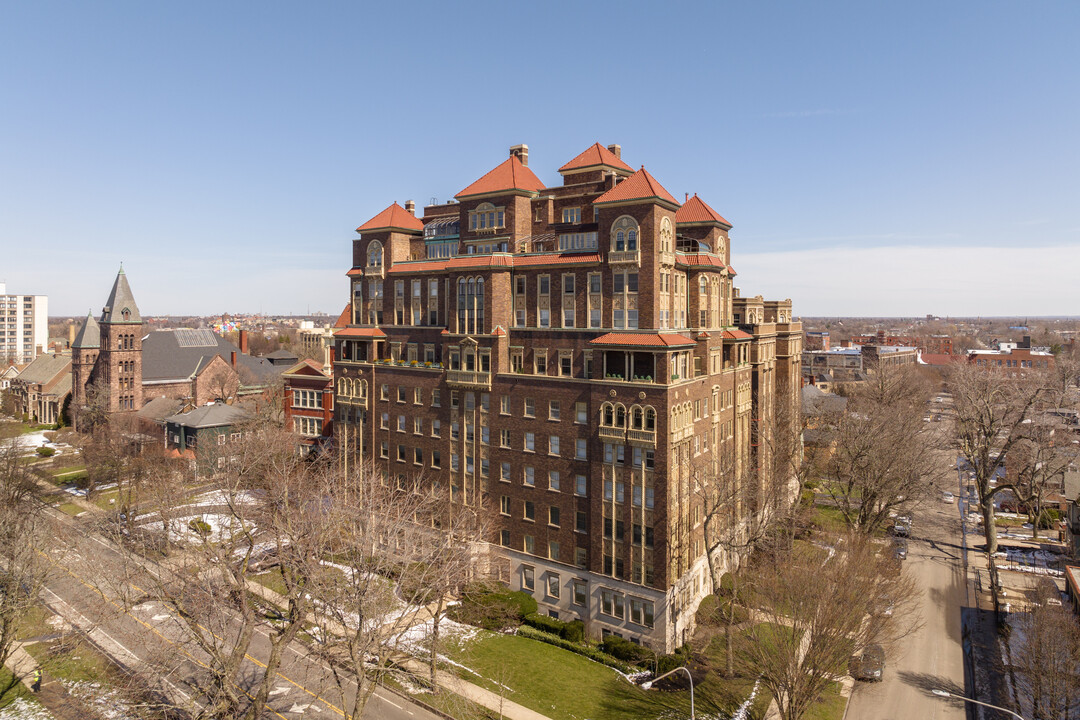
(875, 160)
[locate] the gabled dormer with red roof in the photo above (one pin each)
(700, 229)
(595, 164)
(387, 238)
(495, 208)
(641, 186)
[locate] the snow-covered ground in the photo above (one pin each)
(23, 709)
(28, 443)
(222, 527)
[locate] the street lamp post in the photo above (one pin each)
(649, 684)
(947, 694)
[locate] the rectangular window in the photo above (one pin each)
(528, 579)
(553, 480)
(504, 504)
(401, 423)
(581, 413)
(418, 456)
(504, 438)
(581, 593)
(384, 421)
(530, 408)
(384, 392)
(571, 215)
(553, 586)
(504, 404)
(418, 426)
(641, 612)
(581, 485)
(581, 557)
(540, 361)
(436, 459)
(435, 398)
(581, 522)
(553, 550)
(401, 453)
(530, 442)
(553, 445)
(611, 604)
(436, 428)
(554, 412)
(530, 511)
(581, 449)
(530, 476)
(504, 472)
(553, 516)
(504, 538)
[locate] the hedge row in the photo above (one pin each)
(588, 651)
(574, 631)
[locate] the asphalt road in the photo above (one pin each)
(143, 635)
(931, 656)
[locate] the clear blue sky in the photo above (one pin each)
(875, 158)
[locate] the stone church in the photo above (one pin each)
(122, 369)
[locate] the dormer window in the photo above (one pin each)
(125, 314)
(624, 235)
(486, 217)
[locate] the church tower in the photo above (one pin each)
(119, 363)
(84, 355)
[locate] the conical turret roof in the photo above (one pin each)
(89, 335)
(121, 307)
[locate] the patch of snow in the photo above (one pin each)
(222, 527)
(108, 703)
(743, 712)
(23, 709)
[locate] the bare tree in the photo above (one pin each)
(1039, 462)
(885, 459)
(993, 411)
(1046, 658)
(813, 609)
(23, 568)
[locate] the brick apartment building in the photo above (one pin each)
(564, 358)
(1012, 356)
(932, 344)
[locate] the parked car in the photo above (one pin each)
(948, 497)
(869, 665)
(902, 527)
(900, 549)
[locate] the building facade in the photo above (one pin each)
(24, 326)
(567, 359)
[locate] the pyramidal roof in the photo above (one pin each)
(696, 210)
(121, 307)
(639, 186)
(596, 155)
(393, 217)
(508, 175)
(89, 335)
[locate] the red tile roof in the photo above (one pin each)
(594, 155)
(394, 216)
(696, 210)
(639, 186)
(699, 259)
(344, 317)
(508, 175)
(737, 335)
(360, 332)
(643, 339)
(496, 260)
(355, 272)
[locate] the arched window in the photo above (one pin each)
(607, 415)
(665, 235)
(624, 235)
(650, 418)
(374, 254)
(620, 416)
(342, 386)
(636, 417)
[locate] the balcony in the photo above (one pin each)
(351, 401)
(644, 438)
(469, 379)
(681, 434)
(667, 258)
(617, 434)
(633, 256)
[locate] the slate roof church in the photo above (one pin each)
(131, 369)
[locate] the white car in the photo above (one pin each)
(948, 497)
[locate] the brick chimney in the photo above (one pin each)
(616, 150)
(243, 342)
(521, 152)
(234, 358)
(410, 207)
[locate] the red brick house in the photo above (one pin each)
(309, 402)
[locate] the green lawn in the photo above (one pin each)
(71, 658)
(830, 707)
(567, 686)
(272, 580)
(16, 692)
(70, 508)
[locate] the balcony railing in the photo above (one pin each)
(667, 258)
(612, 433)
(352, 401)
(682, 433)
(646, 438)
(633, 256)
(469, 378)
